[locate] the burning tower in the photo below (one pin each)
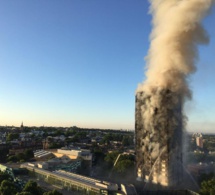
(159, 141)
(159, 113)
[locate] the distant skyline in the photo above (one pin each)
(78, 63)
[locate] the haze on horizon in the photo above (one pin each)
(78, 63)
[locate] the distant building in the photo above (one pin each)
(75, 153)
(22, 127)
(199, 141)
(42, 154)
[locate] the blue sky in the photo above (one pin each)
(78, 62)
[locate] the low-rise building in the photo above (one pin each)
(75, 153)
(76, 182)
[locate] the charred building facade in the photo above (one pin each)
(158, 136)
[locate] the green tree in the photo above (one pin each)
(124, 165)
(81, 135)
(21, 156)
(70, 132)
(125, 141)
(205, 177)
(111, 157)
(107, 138)
(127, 157)
(99, 156)
(58, 132)
(33, 188)
(54, 145)
(29, 153)
(208, 187)
(12, 158)
(7, 188)
(12, 136)
(4, 176)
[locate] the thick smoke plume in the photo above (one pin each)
(177, 31)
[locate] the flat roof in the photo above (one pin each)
(71, 177)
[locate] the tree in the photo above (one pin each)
(12, 158)
(21, 156)
(56, 145)
(3, 157)
(128, 157)
(4, 176)
(53, 192)
(111, 157)
(125, 141)
(81, 135)
(208, 187)
(58, 133)
(124, 165)
(33, 188)
(12, 136)
(107, 138)
(99, 156)
(205, 177)
(7, 188)
(29, 153)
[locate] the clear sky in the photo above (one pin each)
(78, 62)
